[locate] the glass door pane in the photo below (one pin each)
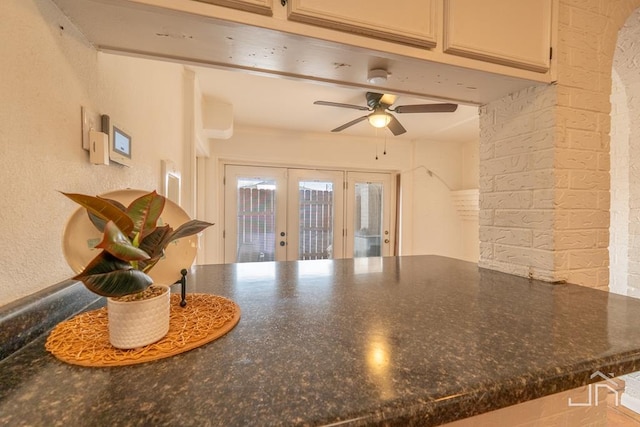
(367, 219)
(370, 215)
(256, 219)
(315, 220)
(316, 214)
(255, 214)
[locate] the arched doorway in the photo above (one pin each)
(625, 151)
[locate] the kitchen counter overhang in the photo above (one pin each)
(420, 340)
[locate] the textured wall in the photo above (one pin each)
(47, 72)
(563, 190)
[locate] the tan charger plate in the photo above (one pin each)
(84, 339)
(80, 237)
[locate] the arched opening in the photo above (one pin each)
(625, 150)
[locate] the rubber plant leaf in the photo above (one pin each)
(153, 245)
(98, 222)
(144, 212)
(156, 243)
(109, 276)
(104, 210)
(117, 244)
(193, 226)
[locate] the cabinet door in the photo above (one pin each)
(409, 22)
(516, 33)
(263, 7)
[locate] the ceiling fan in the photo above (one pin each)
(379, 104)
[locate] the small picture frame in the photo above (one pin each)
(170, 181)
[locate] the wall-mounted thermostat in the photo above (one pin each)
(120, 141)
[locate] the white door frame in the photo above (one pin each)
(390, 213)
(337, 178)
(387, 180)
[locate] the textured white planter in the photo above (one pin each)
(134, 324)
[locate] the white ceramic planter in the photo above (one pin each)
(134, 324)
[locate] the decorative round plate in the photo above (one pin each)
(80, 237)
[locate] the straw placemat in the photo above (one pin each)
(84, 339)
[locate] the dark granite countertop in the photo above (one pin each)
(419, 340)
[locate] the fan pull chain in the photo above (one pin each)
(376, 143)
(385, 144)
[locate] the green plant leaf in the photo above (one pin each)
(109, 276)
(98, 222)
(118, 245)
(103, 209)
(147, 265)
(153, 244)
(193, 226)
(144, 212)
(156, 243)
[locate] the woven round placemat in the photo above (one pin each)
(84, 339)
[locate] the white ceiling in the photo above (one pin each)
(287, 104)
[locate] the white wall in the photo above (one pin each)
(437, 226)
(47, 72)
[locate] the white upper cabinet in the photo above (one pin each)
(263, 7)
(471, 51)
(516, 33)
(408, 22)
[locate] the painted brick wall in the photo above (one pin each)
(544, 166)
(619, 212)
(625, 152)
(517, 136)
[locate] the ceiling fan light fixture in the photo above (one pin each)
(377, 76)
(379, 119)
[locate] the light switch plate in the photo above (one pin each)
(90, 121)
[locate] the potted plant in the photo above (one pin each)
(132, 243)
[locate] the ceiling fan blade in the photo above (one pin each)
(351, 123)
(395, 127)
(426, 108)
(337, 104)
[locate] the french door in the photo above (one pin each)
(369, 213)
(255, 221)
(276, 214)
(315, 214)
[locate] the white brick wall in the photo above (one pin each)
(517, 183)
(619, 239)
(545, 162)
(625, 153)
